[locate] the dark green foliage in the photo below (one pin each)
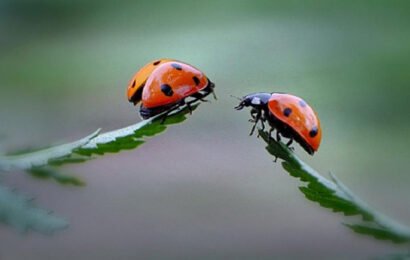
(379, 233)
(328, 200)
(19, 212)
(123, 143)
(48, 173)
(335, 196)
(130, 137)
(71, 158)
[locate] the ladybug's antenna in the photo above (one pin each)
(240, 99)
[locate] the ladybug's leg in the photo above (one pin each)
(213, 94)
(254, 113)
(205, 92)
(263, 119)
(210, 89)
(188, 105)
(253, 128)
(270, 131)
(199, 96)
(289, 142)
(263, 125)
(270, 134)
(255, 119)
(164, 117)
(196, 96)
(277, 136)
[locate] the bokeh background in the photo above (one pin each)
(205, 189)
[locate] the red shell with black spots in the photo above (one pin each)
(171, 82)
(137, 82)
(298, 115)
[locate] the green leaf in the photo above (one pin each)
(41, 157)
(48, 173)
(132, 136)
(379, 233)
(19, 212)
(334, 195)
(126, 138)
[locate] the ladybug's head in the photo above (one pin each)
(256, 100)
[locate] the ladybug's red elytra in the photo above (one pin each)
(165, 84)
(290, 115)
(137, 82)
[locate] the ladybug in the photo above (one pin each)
(164, 85)
(137, 82)
(290, 115)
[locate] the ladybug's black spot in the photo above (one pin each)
(133, 84)
(167, 90)
(302, 103)
(196, 80)
(287, 112)
(313, 132)
(156, 63)
(176, 66)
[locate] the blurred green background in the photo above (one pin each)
(204, 189)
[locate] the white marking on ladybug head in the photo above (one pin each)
(256, 101)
